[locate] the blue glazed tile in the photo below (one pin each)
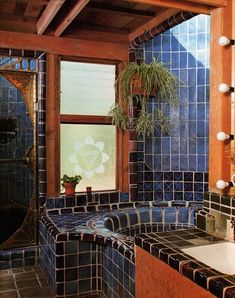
(158, 176)
(175, 162)
(201, 129)
(148, 57)
(124, 197)
(165, 162)
(184, 76)
(201, 146)
(166, 57)
(149, 45)
(201, 76)
(178, 176)
(148, 176)
(191, 61)
(165, 43)
(168, 186)
(175, 60)
(201, 165)
(148, 146)
(201, 93)
(188, 196)
(157, 214)
(175, 145)
(170, 216)
(192, 76)
(178, 186)
(149, 160)
(188, 176)
(188, 186)
(198, 187)
(168, 196)
(184, 111)
(144, 215)
(178, 196)
(168, 176)
(166, 145)
(198, 196)
(158, 196)
(183, 215)
(140, 146)
(158, 186)
(192, 162)
(148, 186)
(192, 112)
(201, 41)
(183, 163)
(201, 111)
(157, 163)
(157, 44)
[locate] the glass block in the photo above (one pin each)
(90, 151)
(87, 89)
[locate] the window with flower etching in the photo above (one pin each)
(88, 142)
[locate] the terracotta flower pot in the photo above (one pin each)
(139, 90)
(69, 188)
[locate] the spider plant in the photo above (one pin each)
(142, 82)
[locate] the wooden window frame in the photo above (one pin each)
(121, 137)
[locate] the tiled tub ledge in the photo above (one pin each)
(167, 246)
(86, 253)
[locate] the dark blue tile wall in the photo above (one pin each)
(174, 166)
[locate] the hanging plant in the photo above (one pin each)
(141, 82)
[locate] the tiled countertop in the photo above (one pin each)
(167, 247)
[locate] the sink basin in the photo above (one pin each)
(220, 256)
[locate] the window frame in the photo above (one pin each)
(121, 176)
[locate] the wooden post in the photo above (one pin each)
(53, 126)
(220, 103)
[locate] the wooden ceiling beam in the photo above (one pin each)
(216, 3)
(180, 5)
(114, 10)
(152, 23)
(72, 14)
(65, 46)
(48, 15)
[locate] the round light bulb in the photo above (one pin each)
(222, 136)
(221, 184)
(224, 41)
(223, 88)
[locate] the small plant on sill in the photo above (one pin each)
(69, 183)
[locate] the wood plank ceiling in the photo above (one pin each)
(115, 20)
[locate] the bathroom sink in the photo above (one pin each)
(220, 256)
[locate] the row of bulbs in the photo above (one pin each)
(222, 136)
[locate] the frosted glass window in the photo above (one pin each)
(87, 89)
(90, 151)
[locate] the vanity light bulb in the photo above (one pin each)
(223, 88)
(224, 41)
(221, 184)
(222, 136)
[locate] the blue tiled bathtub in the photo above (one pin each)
(86, 253)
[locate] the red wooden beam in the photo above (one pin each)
(65, 46)
(77, 8)
(48, 15)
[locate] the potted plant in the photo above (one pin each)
(140, 82)
(69, 183)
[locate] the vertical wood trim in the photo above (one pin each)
(220, 104)
(233, 84)
(53, 126)
(122, 153)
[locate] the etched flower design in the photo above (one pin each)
(88, 158)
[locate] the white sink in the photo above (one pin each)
(220, 256)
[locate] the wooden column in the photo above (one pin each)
(233, 85)
(53, 126)
(220, 103)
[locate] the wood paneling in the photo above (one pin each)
(84, 119)
(181, 5)
(220, 103)
(53, 126)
